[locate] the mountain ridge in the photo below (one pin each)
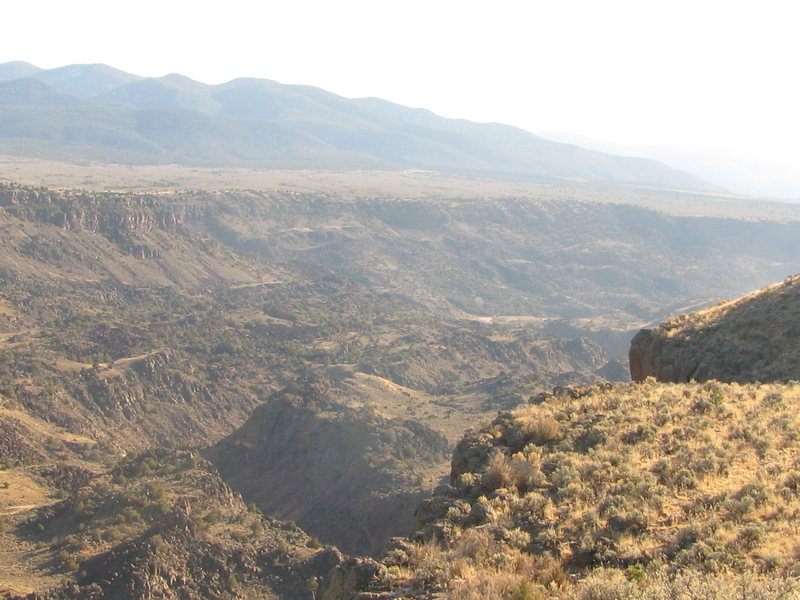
(258, 122)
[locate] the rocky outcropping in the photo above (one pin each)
(753, 338)
(644, 356)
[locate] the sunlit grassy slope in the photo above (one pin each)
(636, 486)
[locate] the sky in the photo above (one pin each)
(701, 74)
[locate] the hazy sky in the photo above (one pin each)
(694, 73)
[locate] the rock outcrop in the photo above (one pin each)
(753, 338)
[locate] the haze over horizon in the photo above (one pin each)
(697, 76)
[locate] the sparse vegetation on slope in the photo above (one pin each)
(653, 481)
(129, 321)
(748, 339)
(162, 523)
(117, 318)
(122, 328)
(537, 256)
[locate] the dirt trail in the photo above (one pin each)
(12, 510)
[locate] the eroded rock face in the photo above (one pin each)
(470, 452)
(644, 355)
(652, 354)
(350, 578)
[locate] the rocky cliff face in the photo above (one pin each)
(644, 356)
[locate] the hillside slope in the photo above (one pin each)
(753, 338)
(131, 321)
(159, 524)
(346, 474)
(121, 313)
(247, 122)
(631, 491)
(640, 490)
(522, 261)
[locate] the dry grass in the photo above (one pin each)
(19, 491)
(647, 491)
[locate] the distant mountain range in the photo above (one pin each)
(96, 112)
